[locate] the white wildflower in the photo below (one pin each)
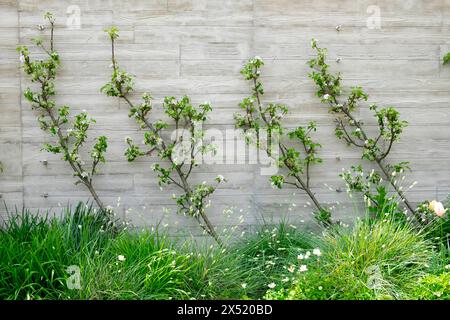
(317, 252)
(303, 268)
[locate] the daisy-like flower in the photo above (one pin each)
(303, 268)
(121, 258)
(271, 285)
(317, 252)
(291, 269)
(244, 285)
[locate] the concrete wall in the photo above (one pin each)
(197, 47)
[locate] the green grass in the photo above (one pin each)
(153, 269)
(371, 260)
(249, 265)
(35, 253)
(379, 260)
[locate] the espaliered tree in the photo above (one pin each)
(259, 118)
(353, 131)
(70, 134)
(182, 152)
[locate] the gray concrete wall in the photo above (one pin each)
(197, 47)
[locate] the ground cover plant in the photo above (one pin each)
(75, 257)
(39, 254)
(372, 260)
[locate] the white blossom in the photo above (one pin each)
(317, 252)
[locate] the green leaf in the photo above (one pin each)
(446, 58)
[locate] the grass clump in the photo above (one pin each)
(378, 260)
(35, 251)
(249, 266)
(36, 254)
(142, 265)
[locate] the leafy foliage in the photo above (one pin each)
(258, 119)
(446, 58)
(433, 287)
(183, 151)
(352, 131)
(70, 134)
(379, 202)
